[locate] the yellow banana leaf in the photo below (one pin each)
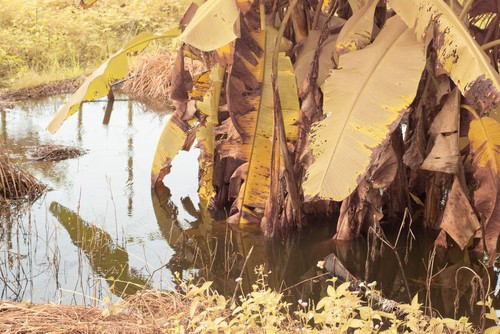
(172, 139)
(257, 123)
(357, 32)
(99, 83)
(362, 108)
(457, 51)
(206, 138)
(484, 137)
(212, 25)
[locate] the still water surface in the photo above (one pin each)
(104, 193)
(101, 231)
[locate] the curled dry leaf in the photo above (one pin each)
(459, 219)
(444, 155)
(457, 51)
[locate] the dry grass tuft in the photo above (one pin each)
(16, 185)
(151, 79)
(143, 313)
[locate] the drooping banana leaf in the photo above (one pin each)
(212, 25)
(252, 112)
(457, 51)
(459, 219)
(362, 108)
(99, 83)
(206, 138)
(357, 32)
(178, 132)
(172, 139)
(484, 137)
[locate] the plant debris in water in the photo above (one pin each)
(17, 186)
(55, 153)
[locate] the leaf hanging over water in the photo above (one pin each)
(212, 25)
(484, 137)
(457, 51)
(251, 107)
(363, 108)
(99, 83)
(206, 138)
(172, 139)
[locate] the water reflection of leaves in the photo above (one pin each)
(218, 250)
(105, 257)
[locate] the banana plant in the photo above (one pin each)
(377, 105)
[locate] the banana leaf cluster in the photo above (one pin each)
(381, 106)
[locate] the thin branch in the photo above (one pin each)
(466, 9)
(471, 110)
(490, 45)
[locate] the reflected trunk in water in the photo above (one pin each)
(107, 259)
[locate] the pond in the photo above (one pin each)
(101, 231)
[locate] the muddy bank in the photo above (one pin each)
(39, 91)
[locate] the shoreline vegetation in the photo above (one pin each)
(37, 59)
(195, 308)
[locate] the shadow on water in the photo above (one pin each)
(107, 259)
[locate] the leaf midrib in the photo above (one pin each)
(355, 102)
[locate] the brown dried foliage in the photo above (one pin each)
(145, 312)
(16, 185)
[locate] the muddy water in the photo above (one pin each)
(101, 231)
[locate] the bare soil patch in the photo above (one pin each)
(39, 91)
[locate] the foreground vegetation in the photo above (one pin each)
(42, 41)
(198, 309)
